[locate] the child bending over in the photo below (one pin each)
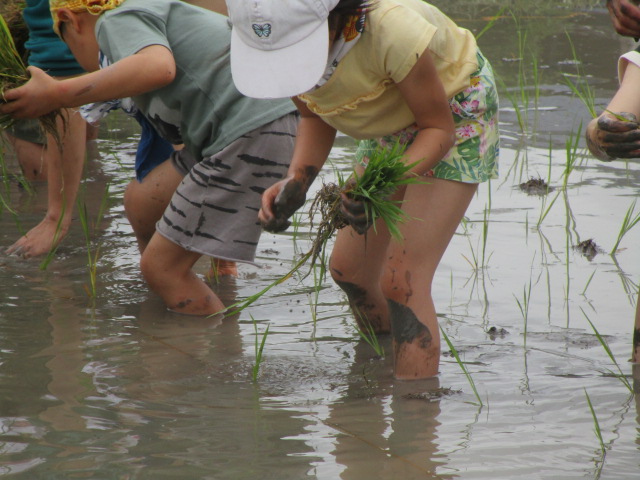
(172, 59)
(380, 71)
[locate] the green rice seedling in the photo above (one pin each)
(479, 261)
(596, 425)
(620, 375)
(571, 151)
(212, 274)
(545, 209)
(454, 352)
(485, 235)
(11, 12)
(588, 283)
(369, 335)
(491, 23)
(385, 173)
(258, 348)
(13, 73)
(581, 87)
(92, 258)
(521, 99)
(89, 230)
(524, 308)
(631, 219)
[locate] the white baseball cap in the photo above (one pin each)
(279, 48)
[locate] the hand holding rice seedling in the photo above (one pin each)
(11, 12)
(359, 202)
(13, 73)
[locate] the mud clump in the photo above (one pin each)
(588, 249)
(535, 186)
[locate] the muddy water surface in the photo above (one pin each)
(117, 388)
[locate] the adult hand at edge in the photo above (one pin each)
(625, 16)
(610, 137)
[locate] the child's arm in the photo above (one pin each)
(313, 143)
(151, 68)
(616, 133)
(425, 95)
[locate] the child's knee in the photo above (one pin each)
(152, 271)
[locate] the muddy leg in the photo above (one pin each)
(437, 208)
(635, 356)
(369, 307)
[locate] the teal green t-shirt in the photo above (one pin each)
(46, 50)
(201, 107)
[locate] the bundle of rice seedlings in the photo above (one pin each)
(13, 73)
(385, 172)
(11, 12)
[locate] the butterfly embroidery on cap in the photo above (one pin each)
(262, 29)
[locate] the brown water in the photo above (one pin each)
(117, 388)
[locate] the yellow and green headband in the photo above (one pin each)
(95, 7)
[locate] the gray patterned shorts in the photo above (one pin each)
(214, 211)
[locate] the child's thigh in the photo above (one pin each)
(434, 211)
(359, 258)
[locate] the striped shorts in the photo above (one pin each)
(214, 211)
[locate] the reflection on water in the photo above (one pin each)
(119, 388)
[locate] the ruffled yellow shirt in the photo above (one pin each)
(361, 99)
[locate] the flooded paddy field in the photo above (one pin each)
(535, 284)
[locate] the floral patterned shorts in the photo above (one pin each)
(474, 155)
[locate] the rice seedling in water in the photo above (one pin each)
(588, 283)
(581, 87)
(491, 23)
(454, 352)
(13, 73)
(620, 375)
(92, 257)
(369, 335)
(524, 308)
(596, 425)
(385, 172)
(477, 261)
(258, 348)
(630, 220)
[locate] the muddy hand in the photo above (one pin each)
(610, 137)
(354, 211)
(275, 212)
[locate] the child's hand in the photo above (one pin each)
(614, 136)
(40, 239)
(354, 211)
(280, 201)
(35, 98)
